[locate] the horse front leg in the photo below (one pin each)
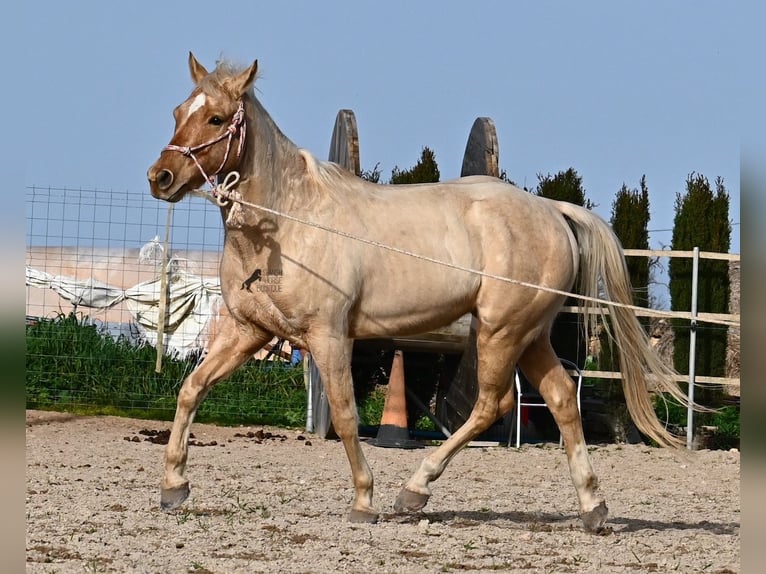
(543, 369)
(333, 359)
(232, 347)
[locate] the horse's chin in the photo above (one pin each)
(173, 196)
(178, 195)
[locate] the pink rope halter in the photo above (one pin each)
(237, 125)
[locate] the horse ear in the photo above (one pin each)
(244, 81)
(196, 69)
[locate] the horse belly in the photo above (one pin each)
(412, 304)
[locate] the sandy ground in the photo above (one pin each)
(278, 503)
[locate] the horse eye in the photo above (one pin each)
(215, 120)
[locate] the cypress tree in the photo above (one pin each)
(566, 335)
(701, 220)
(424, 171)
(630, 222)
(564, 186)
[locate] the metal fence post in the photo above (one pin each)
(692, 351)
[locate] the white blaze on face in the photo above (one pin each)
(196, 104)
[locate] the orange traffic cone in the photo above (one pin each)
(393, 431)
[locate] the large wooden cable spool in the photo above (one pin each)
(481, 157)
(344, 145)
(344, 150)
(454, 404)
(482, 154)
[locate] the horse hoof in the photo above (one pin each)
(363, 516)
(594, 520)
(171, 498)
(409, 501)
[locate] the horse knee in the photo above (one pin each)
(345, 422)
(188, 395)
(560, 402)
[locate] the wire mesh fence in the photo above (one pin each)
(93, 264)
(100, 234)
(94, 260)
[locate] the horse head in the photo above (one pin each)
(210, 131)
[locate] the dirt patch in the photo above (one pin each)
(275, 500)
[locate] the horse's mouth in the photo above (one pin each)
(173, 197)
(177, 195)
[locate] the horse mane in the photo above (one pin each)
(218, 79)
(326, 175)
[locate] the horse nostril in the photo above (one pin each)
(164, 179)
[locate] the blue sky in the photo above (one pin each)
(615, 90)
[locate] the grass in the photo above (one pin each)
(72, 366)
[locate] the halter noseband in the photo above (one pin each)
(237, 125)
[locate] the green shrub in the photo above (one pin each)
(725, 420)
(370, 408)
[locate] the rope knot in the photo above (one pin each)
(222, 191)
(183, 150)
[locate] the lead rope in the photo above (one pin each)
(221, 196)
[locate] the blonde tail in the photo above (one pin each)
(602, 265)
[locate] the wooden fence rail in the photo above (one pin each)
(668, 253)
(732, 318)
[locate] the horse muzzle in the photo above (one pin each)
(164, 183)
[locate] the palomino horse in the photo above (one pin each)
(326, 289)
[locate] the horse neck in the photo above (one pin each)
(271, 161)
(270, 173)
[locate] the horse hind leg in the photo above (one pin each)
(496, 355)
(544, 371)
(232, 347)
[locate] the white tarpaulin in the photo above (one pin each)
(191, 301)
(88, 292)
